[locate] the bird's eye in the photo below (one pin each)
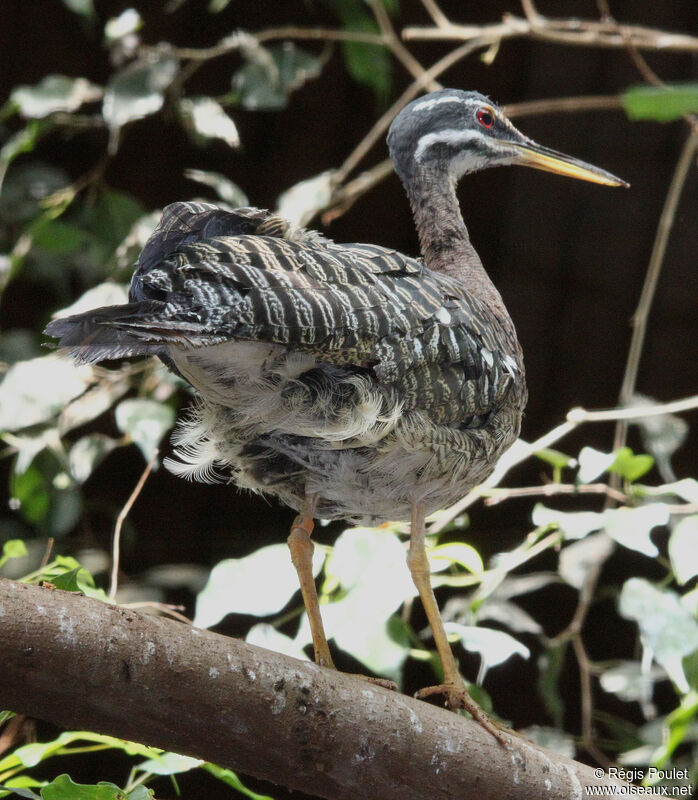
(485, 118)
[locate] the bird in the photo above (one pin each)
(349, 381)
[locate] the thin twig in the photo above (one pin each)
(641, 317)
(565, 105)
(116, 554)
(440, 19)
(164, 608)
(575, 32)
(392, 40)
(578, 415)
(642, 66)
(232, 44)
(637, 58)
(587, 702)
(494, 496)
(47, 552)
(345, 196)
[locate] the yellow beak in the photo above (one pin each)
(534, 155)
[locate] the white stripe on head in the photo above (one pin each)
(425, 105)
(449, 136)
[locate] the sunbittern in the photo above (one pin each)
(348, 380)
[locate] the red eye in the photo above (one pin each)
(485, 118)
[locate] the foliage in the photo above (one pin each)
(660, 103)
(78, 239)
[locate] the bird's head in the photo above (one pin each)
(450, 133)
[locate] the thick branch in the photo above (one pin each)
(84, 664)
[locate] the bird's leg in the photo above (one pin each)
(301, 546)
(453, 688)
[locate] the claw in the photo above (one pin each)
(384, 682)
(457, 697)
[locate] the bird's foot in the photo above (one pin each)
(384, 682)
(457, 697)
(324, 659)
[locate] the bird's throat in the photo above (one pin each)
(444, 239)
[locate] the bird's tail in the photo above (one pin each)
(110, 332)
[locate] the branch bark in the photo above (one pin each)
(81, 663)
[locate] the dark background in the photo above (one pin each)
(568, 257)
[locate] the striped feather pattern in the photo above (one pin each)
(347, 370)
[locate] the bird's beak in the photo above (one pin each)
(535, 155)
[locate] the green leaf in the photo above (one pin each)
(578, 558)
(683, 549)
(127, 23)
(169, 764)
(109, 221)
(231, 779)
(555, 458)
(660, 103)
(30, 755)
(24, 400)
(369, 566)
(206, 119)
(30, 494)
(367, 63)
(630, 466)
(551, 739)
(632, 527)
(84, 8)
(68, 581)
(676, 730)
(272, 74)
(12, 548)
(667, 628)
(146, 421)
(24, 141)
(265, 635)
(259, 584)
(508, 614)
(6, 788)
(87, 453)
(26, 188)
(631, 681)
(686, 489)
(63, 788)
(222, 186)
(56, 236)
(138, 90)
(593, 463)
(54, 93)
(105, 294)
(302, 202)
(495, 647)
(661, 434)
(444, 555)
(572, 524)
(141, 793)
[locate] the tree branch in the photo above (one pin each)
(81, 663)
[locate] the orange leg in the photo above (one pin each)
(453, 688)
(301, 546)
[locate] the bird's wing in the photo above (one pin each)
(208, 276)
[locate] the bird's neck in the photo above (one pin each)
(444, 239)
